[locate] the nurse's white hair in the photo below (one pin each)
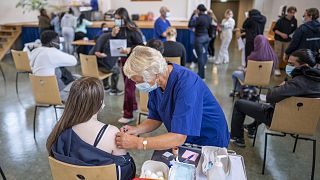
(146, 62)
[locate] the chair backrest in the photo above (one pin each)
(143, 105)
(45, 89)
(176, 60)
(21, 60)
(61, 170)
(296, 115)
(258, 73)
(89, 65)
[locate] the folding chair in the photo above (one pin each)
(62, 171)
(89, 67)
(22, 64)
(175, 60)
(257, 74)
(2, 174)
(143, 105)
(295, 116)
(46, 93)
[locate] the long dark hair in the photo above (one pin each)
(124, 15)
(80, 19)
(85, 99)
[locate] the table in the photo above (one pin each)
(82, 42)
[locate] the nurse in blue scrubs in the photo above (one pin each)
(179, 99)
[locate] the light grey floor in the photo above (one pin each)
(23, 158)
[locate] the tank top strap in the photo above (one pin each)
(100, 134)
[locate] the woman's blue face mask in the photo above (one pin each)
(289, 69)
(146, 87)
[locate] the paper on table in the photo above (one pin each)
(240, 43)
(116, 45)
(188, 153)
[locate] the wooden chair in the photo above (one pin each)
(22, 64)
(258, 73)
(295, 116)
(62, 171)
(175, 60)
(143, 105)
(89, 67)
(2, 174)
(46, 93)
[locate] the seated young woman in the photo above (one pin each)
(80, 139)
(262, 52)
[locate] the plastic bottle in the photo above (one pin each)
(217, 171)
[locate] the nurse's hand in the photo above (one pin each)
(129, 130)
(127, 141)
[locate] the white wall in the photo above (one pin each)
(11, 14)
(271, 8)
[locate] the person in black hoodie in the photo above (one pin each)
(305, 82)
(253, 26)
(307, 36)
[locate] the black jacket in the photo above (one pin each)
(305, 82)
(254, 25)
(307, 36)
(201, 24)
(286, 26)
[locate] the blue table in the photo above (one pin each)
(184, 36)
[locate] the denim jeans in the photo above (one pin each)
(201, 47)
(235, 76)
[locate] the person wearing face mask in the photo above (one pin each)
(179, 99)
(304, 82)
(162, 24)
(79, 138)
(126, 29)
(49, 60)
(283, 31)
(226, 37)
(307, 36)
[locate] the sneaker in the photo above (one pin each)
(250, 130)
(136, 110)
(116, 92)
(277, 72)
(107, 88)
(239, 142)
(193, 65)
(125, 120)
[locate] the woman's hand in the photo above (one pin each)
(132, 130)
(100, 55)
(127, 141)
(125, 50)
(115, 31)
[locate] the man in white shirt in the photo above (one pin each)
(48, 60)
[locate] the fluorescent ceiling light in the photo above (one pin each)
(223, 0)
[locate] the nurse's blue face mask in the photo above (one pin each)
(146, 87)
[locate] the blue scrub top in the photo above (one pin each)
(188, 107)
(160, 26)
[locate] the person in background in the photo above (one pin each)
(104, 29)
(201, 22)
(68, 25)
(156, 44)
(227, 25)
(126, 29)
(192, 40)
(49, 60)
(262, 52)
(212, 34)
(56, 23)
(305, 82)
(79, 138)
(44, 21)
(81, 31)
(307, 36)
(253, 26)
(172, 48)
(162, 24)
(283, 31)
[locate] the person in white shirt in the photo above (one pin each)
(48, 60)
(227, 26)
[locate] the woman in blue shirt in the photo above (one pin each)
(179, 99)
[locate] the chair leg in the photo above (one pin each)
(260, 88)
(139, 119)
(265, 152)
(17, 76)
(234, 90)
(2, 174)
(314, 158)
(55, 111)
(255, 135)
(4, 77)
(295, 143)
(34, 122)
